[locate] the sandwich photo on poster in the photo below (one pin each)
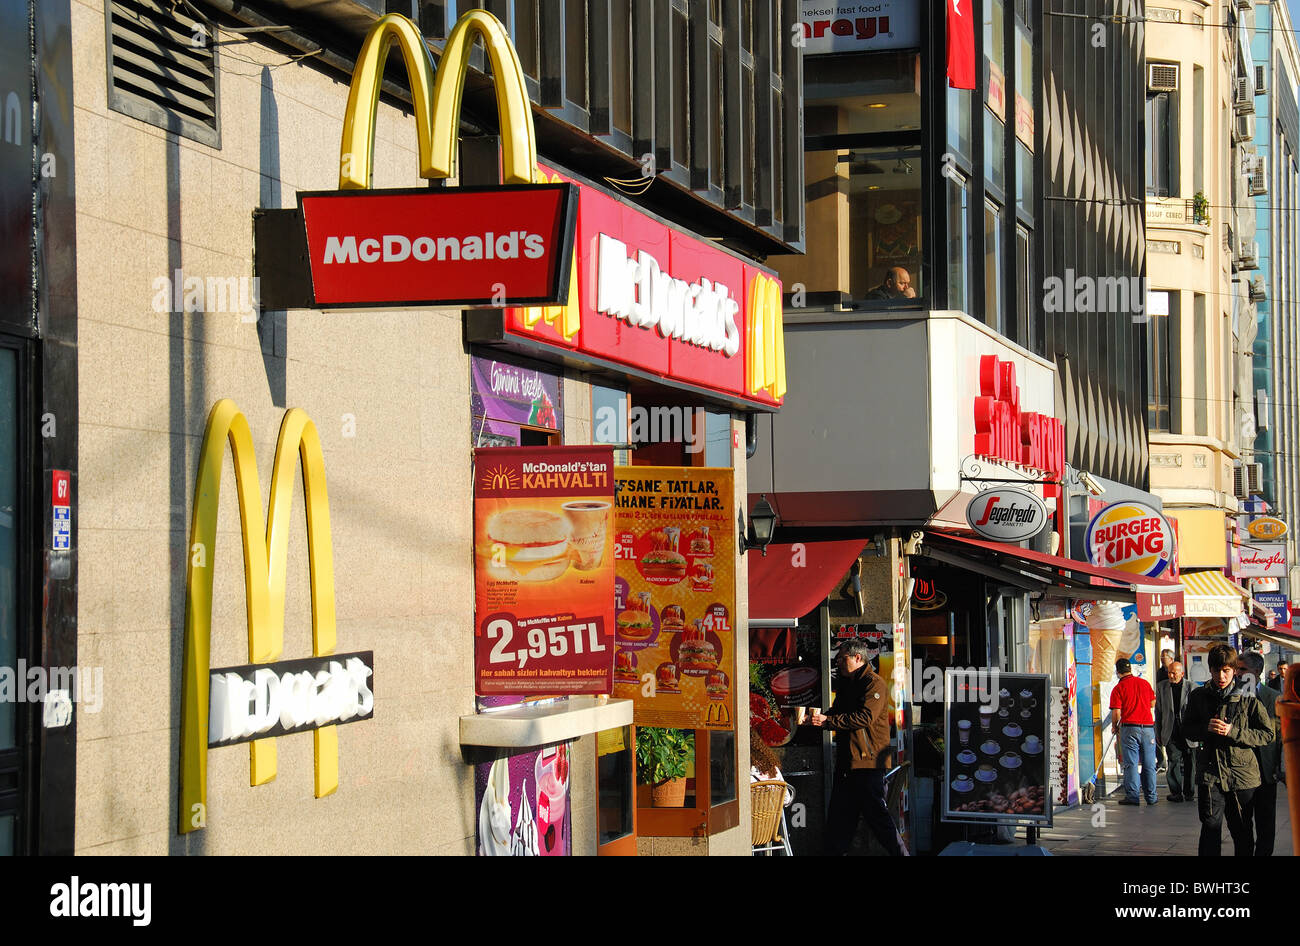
(543, 570)
(675, 595)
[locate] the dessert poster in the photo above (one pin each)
(523, 804)
(675, 595)
(998, 747)
(543, 570)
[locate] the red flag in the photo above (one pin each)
(961, 44)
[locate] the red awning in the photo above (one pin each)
(792, 580)
(1157, 599)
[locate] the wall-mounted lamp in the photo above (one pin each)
(762, 523)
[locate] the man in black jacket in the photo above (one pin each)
(1229, 724)
(1171, 705)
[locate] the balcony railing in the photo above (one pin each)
(1175, 210)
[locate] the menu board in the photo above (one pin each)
(997, 747)
(543, 570)
(675, 595)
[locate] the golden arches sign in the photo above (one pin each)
(766, 368)
(436, 96)
(265, 565)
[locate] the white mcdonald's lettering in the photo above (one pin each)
(637, 290)
(766, 338)
(396, 248)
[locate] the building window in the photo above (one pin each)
(1024, 287)
(526, 37)
(1158, 406)
(993, 269)
(575, 52)
(681, 86)
(959, 274)
(158, 75)
(620, 15)
(1162, 144)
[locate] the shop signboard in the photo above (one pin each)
(1005, 432)
(1263, 560)
(998, 747)
(1267, 527)
(1277, 602)
(1007, 514)
(523, 804)
(1130, 537)
(851, 26)
(675, 595)
(543, 570)
(648, 296)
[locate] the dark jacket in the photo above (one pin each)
(1270, 756)
(860, 714)
(1227, 761)
(1165, 709)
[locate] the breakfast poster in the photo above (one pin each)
(543, 570)
(675, 595)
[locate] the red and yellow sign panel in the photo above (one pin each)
(543, 570)
(675, 595)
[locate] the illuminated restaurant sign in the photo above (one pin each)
(1130, 537)
(1004, 432)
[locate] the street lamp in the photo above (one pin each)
(762, 523)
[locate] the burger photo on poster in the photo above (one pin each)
(634, 624)
(528, 545)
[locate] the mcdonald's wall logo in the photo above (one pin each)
(261, 700)
(654, 298)
(484, 246)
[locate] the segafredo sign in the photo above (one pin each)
(1131, 537)
(1006, 515)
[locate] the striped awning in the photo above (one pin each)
(1208, 594)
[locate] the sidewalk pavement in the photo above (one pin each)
(1166, 828)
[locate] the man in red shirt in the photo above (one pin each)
(1132, 705)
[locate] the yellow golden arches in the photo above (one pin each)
(437, 98)
(766, 338)
(566, 318)
(265, 563)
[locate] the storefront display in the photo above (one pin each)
(523, 804)
(675, 594)
(505, 397)
(998, 748)
(543, 570)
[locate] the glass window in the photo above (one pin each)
(994, 40)
(995, 151)
(993, 269)
(526, 35)
(1158, 360)
(857, 93)
(614, 780)
(722, 766)
(6, 836)
(959, 247)
(717, 123)
(1024, 286)
(620, 13)
(717, 439)
(1162, 137)
(1024, 180)
(1024, 87)
(609, 418)
(959, 129)
(681, 88)
(575, 51)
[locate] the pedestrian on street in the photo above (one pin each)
(860, 718)
(1249, 666)
(1229, 725)
(1132, 702)
(1162, 673)
(1171, 705)
(1277, 682)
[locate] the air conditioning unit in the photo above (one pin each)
(1257, 291)
(1248, 255)
(1255, 478)
(1261, 80)
(1258, 181)
(1244, 128)
(1244, 100)
(1162, 77)
(1245, 4)
(1261, 409)
(1249, 162)
(1239, 483)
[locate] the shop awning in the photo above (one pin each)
(1156, 599)
(792, 580)
(1276, 636)
(1211, 595)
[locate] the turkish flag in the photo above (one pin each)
(961, 44)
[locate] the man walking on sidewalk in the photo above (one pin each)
(1230, 725)
(1250, 667)
(1131, 703)
(1171, 705)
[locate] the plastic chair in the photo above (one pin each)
(767, 811)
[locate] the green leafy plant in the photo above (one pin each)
(1200, 208)
(663, 754)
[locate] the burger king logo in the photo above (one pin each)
(1267, 527)
(1131, 537)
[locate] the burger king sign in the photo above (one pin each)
(1130, 537)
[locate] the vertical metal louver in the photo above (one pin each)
(162, 68)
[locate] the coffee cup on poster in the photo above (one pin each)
(963, 731)
(590, 520)
(800, 714)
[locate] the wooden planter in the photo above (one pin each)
(670, 793)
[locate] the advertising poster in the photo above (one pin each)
(881, 641)
(543, 570)
(1263, 560)
(783, 676)
(523, 804)
(851, 26)
(504, 396)
(675, 595)
(997, 747)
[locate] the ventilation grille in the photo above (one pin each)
(163, 69)
(1162, 78)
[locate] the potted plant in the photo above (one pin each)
(662, 757)
(1201, 209)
